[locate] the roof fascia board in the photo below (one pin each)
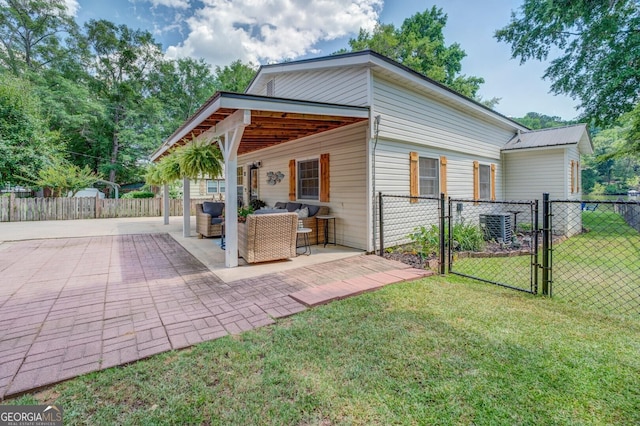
(291, 106)
(213, 106)
(539, 148)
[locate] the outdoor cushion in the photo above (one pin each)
(268, 211)
(280, 205)
(292, 207)
(214, 209)
(217, 220)
(313, 210)
(302, 213)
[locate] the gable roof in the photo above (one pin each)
(576, 134)
(391, 69)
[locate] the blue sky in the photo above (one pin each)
(264, 31)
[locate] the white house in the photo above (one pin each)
(339, 127)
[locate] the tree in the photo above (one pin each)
(64, 178)
(599, 63)
(535, 121)
(419, 44)
(30, 33)
(26, 144)
(123, 61)
(235, 77)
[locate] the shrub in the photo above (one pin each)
(427, 240)
(465, 238)
(138, 194)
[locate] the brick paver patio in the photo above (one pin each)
(75, 305)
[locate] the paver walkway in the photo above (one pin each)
(75, 305)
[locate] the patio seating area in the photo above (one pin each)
(86, 303)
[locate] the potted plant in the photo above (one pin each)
(243, 212)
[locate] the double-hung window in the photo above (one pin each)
(308, 174)
(429, 182)
(485, 181)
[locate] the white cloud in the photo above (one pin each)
(268, 31)
(178, 4)
(72, 7)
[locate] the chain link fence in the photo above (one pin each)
(495, 242)
(410, 229)
(595, 254)
(583, 252)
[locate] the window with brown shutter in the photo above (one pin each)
(476, 180)
(292, 180)
(493, 182)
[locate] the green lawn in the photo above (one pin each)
(436, 351)
(597, 269)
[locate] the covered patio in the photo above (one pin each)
(243, 124)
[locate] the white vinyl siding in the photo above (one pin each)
(346, 86)
(532, 172)
(348, 165)
(414, 118)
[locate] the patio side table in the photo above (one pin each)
(326, 219)
(305, 238)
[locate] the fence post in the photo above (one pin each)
(381, 228)
(546, 238)
(442, 233)
(534, 241)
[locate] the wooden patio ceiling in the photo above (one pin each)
(272, 120)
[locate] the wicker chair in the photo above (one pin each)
(267, 237)
(206, 225)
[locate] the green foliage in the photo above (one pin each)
(243, 212)
(199, 159)
(26, 144)
(599, 64)
(419, 44)
(138, 194)
(234, 77)
(536, 121)
(257, 204)
(63, 178)
(465, 238)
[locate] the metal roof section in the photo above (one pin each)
(553, 137)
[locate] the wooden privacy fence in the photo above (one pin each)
(32, 209)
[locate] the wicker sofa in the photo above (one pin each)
(267, 237)
(209, 219)
(310, 221)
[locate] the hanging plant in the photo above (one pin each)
(200, 159)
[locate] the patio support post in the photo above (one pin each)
(165, 202)
(229, 144)
(186, 208)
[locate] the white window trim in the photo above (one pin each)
(437, 160)
(480, 165)
(298, 160)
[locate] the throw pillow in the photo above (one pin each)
(302, 213)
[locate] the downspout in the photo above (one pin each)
(376, 124)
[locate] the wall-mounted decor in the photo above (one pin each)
(274, 177)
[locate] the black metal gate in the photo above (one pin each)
(495, 242)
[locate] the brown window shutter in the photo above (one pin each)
(443, 175)
(292, 180)
(324, 178)
(493, 182)
(578, 175)
(573, 181)
(414, 176)
(476, 180)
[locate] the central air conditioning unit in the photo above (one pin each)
(496, 226)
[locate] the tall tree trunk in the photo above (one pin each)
(115, 146)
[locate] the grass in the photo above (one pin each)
(435, 351)
(598, 269)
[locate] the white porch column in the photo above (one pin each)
(233, 128)
(186, 208)
(165, 202)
